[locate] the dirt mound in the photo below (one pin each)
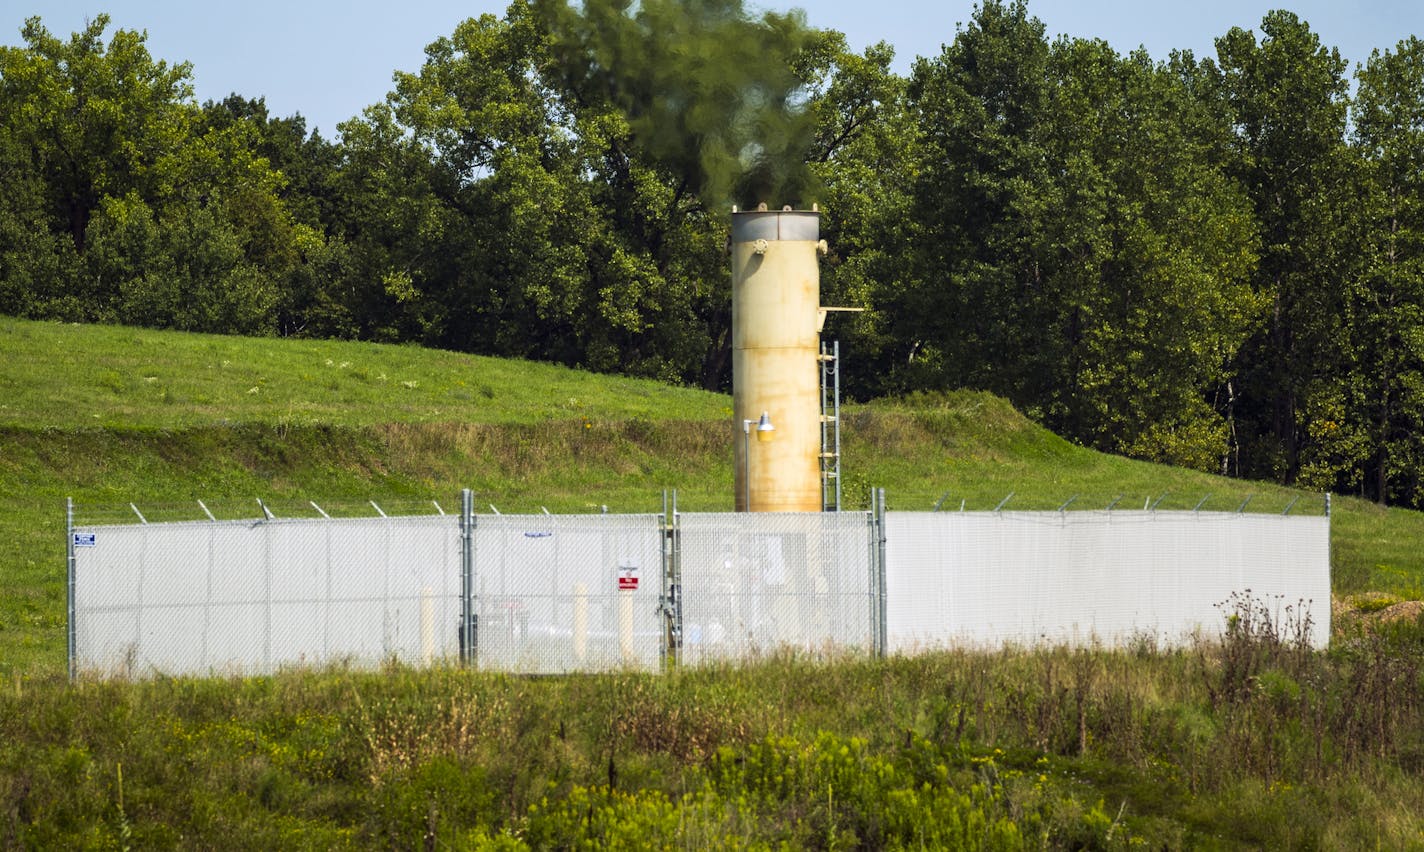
(1369, 610)
(1402, 611)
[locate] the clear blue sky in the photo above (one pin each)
(328, 60)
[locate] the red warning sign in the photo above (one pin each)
(627, 577)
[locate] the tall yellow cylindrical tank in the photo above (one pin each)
(776, 297)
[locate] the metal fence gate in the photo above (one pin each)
(564, 593)
(752, 583)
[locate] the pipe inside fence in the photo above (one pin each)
(467, 577)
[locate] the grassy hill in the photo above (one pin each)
(111, 416)
(1253, 742)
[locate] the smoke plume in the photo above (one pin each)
(709, 90)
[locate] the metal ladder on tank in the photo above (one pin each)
(830, 361)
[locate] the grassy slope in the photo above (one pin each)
(110, 415)
(82, 376)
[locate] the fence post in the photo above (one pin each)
(266, 532)
(69, 582)
(677, 579)
(877, 573)
(871, 580)
(881, 631)
(467, 577)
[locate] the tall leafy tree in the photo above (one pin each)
(709, 110)
(83, 121)
(95, 119)
(390, 218)
(981, 190)
(163, 221)
(38, 262)
(308, 163)
(1284, 95)
(1080, 249)
(1161, 279)
(501, 216)
(863, 157)
(1388, 404)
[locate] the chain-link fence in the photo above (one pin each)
(252, 596)
(752, 583)
(986, 578)
(563, 593)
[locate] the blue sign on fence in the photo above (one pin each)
(85, 539)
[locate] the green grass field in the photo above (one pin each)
(1253, 742)
(79, 377)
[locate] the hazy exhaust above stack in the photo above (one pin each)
(710, 89)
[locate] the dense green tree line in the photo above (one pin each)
(1217, 262)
